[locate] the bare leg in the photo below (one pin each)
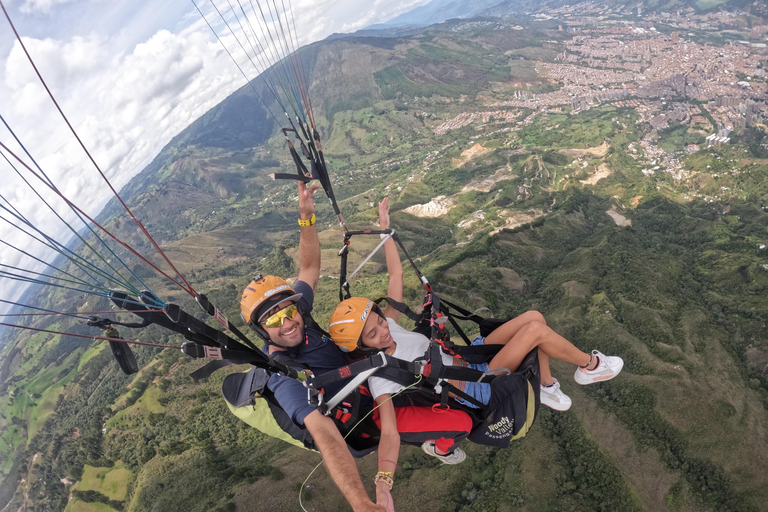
(530, 336)
(504, 333)
(546, 375)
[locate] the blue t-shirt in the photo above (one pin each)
(318, 353)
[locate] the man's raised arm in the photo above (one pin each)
(309, 243)
(340, 463)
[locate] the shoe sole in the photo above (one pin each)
(557, 406)
(438, 457)
(552, 404)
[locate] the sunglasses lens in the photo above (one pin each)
(278, 318)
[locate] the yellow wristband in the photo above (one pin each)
(309, 222)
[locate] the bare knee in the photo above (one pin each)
(533, 316)
(532, 333)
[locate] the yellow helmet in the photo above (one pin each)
(347, 322)
(262, 294)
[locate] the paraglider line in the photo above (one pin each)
(82, 145)
(105, 338)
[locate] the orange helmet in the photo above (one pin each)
(262, 294)
(347, 322)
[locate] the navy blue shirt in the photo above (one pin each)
(317, 352)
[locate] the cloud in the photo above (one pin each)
(44, 6)
(125, 108)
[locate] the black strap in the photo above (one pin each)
(296, 177)
(207, 370)
(448, 388)
(258, 359)
(96, 321)
(462, 373)
(402, 308)
(202, 335)
(458, 328)
(393, 367)
(217, 315)
(300, 167)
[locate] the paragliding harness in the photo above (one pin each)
(514, 400)
(246, 394)
(249, 398)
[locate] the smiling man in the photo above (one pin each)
(277, 312)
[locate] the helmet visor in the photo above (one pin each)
(278, 318)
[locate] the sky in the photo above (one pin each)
(129, 75)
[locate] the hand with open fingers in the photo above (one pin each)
(384, 497)
(306, 200)
(384, 213)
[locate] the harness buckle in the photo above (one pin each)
(317, 399)
(383, 356)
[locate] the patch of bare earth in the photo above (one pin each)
(441, 205)
(435, 208)
(599, 151)
(602, 172)
(635, 201)
(486, 184)
(475, 151)
(513, 220)
(618, 218)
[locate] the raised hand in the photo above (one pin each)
(384, 213)
(306, 200)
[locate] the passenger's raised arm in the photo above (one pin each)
(394, 266)
(309, 243)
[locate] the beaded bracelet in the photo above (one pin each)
(385, 477)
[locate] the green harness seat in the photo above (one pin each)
(249, 399)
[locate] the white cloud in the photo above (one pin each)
(44, 6)
(124, 111)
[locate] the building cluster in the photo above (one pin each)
(524, 95)
(758, 32)
(668, 79)
(721, 137)
(467, 118)
(582, 75)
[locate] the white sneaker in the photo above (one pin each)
(609, 367)
(456, 457)
(554, 398)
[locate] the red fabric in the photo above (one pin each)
(448, 428)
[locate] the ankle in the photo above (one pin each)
(593, 363)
